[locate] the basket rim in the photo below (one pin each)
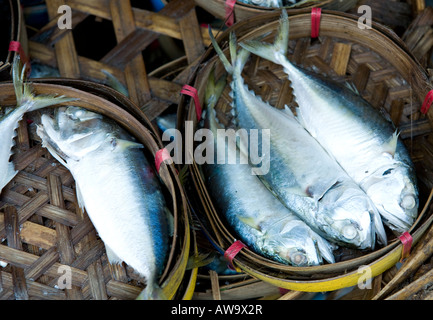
(210, 58)
(102, 99)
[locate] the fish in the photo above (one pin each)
(277, 3)
(117, 187)
(264, 3)
(364, 142)
(26, 102)
(302, 174)
(262, 222)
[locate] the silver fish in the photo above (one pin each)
(117, 187)
(26, 102)
(277, 3)
(264, 3)
(302, 174)
(362, 141)
(264, 224)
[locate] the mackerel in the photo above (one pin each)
(302, 175)
(117, 187)
(364, 143)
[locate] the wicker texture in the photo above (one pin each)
(135, 30)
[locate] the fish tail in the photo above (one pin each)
(115, 83)
(239, 58)
(378, 226)
(214, 90)
(152, 292)
(273, 52)
(325, 249)
(24, 93)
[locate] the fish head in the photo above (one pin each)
(395, 195)
(348, 217)
(295, 247)
(73, 132)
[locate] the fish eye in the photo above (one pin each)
(349, 232)
(408, 202)
(387, 172)
(298, 258)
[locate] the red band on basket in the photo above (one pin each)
(407, 240)
(192, 92)
(160, 157)
(232, 252)
(230, 13)
(15, 46)
(427, 102)
(316, 14)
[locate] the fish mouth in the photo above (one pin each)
(298, 258)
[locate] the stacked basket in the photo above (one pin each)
(238, 10)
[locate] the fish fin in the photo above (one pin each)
(251, 222)
(272, 52)
(390, 146)
(44, 131)
(115, 83)
(288, 111)
(378, 226)
(325, 249)
(183, 174)
(24, 94)
(112, 257)
(351, 86)
(239, 58)
(200, 260)
(170, 221)
(318, 190)
(80, 199)
(10, 174)
(227, 65)
(122, 145)
(214, 91)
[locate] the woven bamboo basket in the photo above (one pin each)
(244, 11)
(134, 30)
(47, 232)
(12, 26)
(388, 76)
